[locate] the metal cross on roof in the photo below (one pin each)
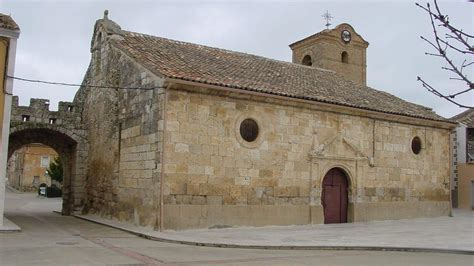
(328, 18)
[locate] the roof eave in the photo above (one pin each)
(13, 34)
(181, 80)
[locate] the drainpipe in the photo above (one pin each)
(310, 186)
(311, 160)
(450, 171)
(162, 159)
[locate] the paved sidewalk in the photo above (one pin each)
(8, 226)
(46, 234)
(441, 234)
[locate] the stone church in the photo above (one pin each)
(191, 136)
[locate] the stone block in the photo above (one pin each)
(192, 189)
(229, 200)
(265, 182)
(299, 201)
(301, 166)
(391, 192)
(196, 169)
(268, 200)
(213, 190)
(379, 191)
(209, 170)
(265, 173)
(172, 126)
(369, 191)
(253, 172)
(198, 200)
(181, 168)
(259, 191)
(235, 191)
(286, 191)
(254, 200)
(242, 180)
(181, 148)
(178, 188)
(214, 200)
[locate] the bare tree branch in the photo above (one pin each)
(465, 65)
(445, 22)
(444, 49)
(437, 93)
(455, 48)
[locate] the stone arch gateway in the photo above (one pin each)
(71, 146)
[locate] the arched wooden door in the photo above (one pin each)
(334, 196)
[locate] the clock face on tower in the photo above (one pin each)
(346, 36)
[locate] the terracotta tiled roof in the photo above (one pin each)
(207, 65)
(466, 117)
(7, 22)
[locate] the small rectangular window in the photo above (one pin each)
(25, 118)
(44, 161)
(36, 180)
(70, 108)
(52, 121)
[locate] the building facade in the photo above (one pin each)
(179, 135)
(462, 175)
(27, 167)
(9, 33)
(195, 136)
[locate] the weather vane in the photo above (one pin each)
(328, 18)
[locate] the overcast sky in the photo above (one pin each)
(55, 37)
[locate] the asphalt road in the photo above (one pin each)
(48, 238)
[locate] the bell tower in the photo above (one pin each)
(340, 49)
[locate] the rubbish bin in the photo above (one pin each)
(42, 191)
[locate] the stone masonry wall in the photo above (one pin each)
(326, 49)
(124, 135)
(213, 177)
(67, 116)
(209, 164)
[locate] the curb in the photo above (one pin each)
(266, 247)
(9, 227)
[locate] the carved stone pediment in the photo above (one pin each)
(338, 148)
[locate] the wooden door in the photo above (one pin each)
(334, 196)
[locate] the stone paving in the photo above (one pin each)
(48, 238)
(9, 226)
(441, 233)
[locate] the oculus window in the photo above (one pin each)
(416, 145)
(249, 130)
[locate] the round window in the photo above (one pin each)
(249, 130)
(416, 145)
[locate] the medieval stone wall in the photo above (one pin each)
(67, 116)
(214, 177)
(61, 130)
(124, 135)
